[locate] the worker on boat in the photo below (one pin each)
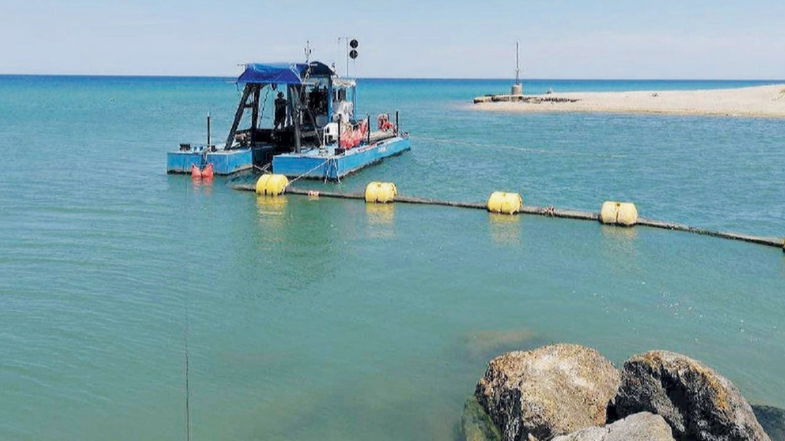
(280, 111)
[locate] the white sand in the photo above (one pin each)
(758, 101)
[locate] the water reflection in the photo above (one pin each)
(202, 186)
(505, 229)
(620, 245)
(381, 218)
(272, 211)
(624, 235)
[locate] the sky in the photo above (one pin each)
(668, 39)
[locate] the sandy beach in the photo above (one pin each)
(758, 101)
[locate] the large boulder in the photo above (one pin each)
(698, 403)
(772, 419)
(548, 391)
(476, 424)
(642, 426)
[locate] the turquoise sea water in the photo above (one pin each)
(332, 320)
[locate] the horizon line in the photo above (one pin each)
(388, 78)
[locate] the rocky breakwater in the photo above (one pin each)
(698, 403)
(567, 392)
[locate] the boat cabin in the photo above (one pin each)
(307, 97)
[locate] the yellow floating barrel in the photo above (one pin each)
(507, 203)
(619, 213)
(380, 192)
(271, 185)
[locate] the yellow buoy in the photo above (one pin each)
(271, 185)
(619, 213)
(380, 192)
(502, 202)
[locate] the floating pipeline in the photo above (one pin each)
(623, 214)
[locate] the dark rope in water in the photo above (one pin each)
(544, 211)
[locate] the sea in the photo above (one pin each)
(324, 319)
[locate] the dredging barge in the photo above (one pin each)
(315, 133)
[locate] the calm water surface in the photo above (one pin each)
(332, 320)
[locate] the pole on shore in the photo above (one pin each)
(517, 88)
(517, 65)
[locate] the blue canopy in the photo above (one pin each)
(281, 73)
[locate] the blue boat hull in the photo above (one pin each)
(315, 166)
(224, 162)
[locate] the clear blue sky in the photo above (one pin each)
(404, 38)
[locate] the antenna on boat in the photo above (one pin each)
(351, 51)
(308, 51)
(346, 40)
(353, 54)
(208, 130)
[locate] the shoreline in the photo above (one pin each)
(755, 101)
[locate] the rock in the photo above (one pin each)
(698, 403)
(476, 424)
(772, 420)
(549, 391)
(642, 426)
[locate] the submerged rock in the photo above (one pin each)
(476, 424)
(483, 344)
(549, 391)
(772, 419)
(642, 426)
(698, 403)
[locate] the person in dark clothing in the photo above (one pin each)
(280, 111)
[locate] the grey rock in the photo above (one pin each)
(772, 419)
(476, 424)
(549, 391)
(698, 403)
(642, 426)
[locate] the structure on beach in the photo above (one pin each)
(516, 91)
(517, 87)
